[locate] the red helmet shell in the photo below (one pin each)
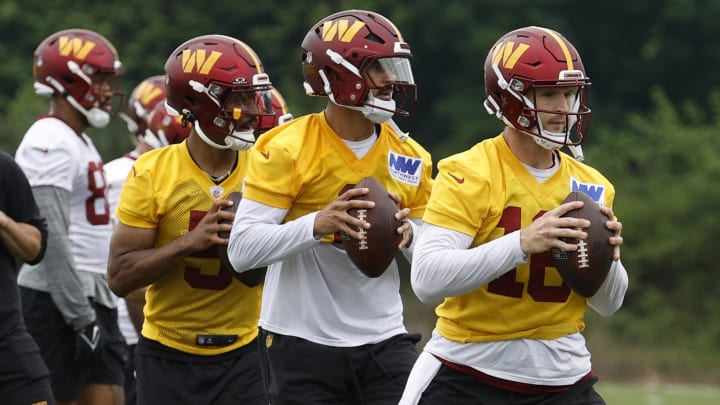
(360, 38)
(528, 58)
(143, 98)
(203, 73)
(66, 56)
(167, 129)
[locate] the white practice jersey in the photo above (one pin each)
(52, 154)
(116, 172)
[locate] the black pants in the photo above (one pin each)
(56, 340)
(454, 387)
(297, 371)
(169, 376)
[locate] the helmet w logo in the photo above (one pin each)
(507, 55)
(199, 61)
(340, 29)
(75, 46)
(148, 92)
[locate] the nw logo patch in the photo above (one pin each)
(406, 169)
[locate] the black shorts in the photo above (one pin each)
(169, 376)
(452, 386)
(297, 371)
(56, 340)
(24, 378)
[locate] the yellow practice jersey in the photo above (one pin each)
(167, 191)
(486, 192)
(306, 165)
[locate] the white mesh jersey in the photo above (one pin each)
(53, 154)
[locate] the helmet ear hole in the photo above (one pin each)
(333, 76)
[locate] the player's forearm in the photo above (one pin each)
(444, 266)
(21, 240)
(258, 238)
(135, 269)
(610, 296)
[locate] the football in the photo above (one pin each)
(585, 269)
(250, 278)
(374, 254)
(235, 197)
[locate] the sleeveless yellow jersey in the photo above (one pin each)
(166, 190)
(486, 192)
(305, 166)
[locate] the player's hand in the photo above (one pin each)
(405, 229)
(88, 344)
(3, 219)
(334, 217)
(615, 226)
(545, 232)
(205, 233)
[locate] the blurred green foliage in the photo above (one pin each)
(655, 107)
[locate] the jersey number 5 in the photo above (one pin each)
(207, 274)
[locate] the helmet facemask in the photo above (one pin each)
(274, 111)
(577, 118)
(521, 63)
(93, 104)
(359, 60)
(387, 83)
(237, 112)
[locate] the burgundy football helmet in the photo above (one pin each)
(340, 54)
(529, 58)
(144, 97)
(69, 61)
(163, 129)
(214, 81)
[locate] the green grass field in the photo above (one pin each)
(666, 394)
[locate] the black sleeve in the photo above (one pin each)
(18, 201)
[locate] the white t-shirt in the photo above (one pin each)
(116, 172)
(52, 154)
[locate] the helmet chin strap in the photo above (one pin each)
(236, 141)
(207, 140)
(96, 117)
(378, 115)
(556, 140)
(576, 150)
(371, 112)
(239, 140)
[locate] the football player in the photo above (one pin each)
(67, 305)
(24, 377)
(151, 127)
(330, 334)
(198, 339)
(509, 328)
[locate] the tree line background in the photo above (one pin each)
(654, 130)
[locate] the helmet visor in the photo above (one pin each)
(382, 72)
